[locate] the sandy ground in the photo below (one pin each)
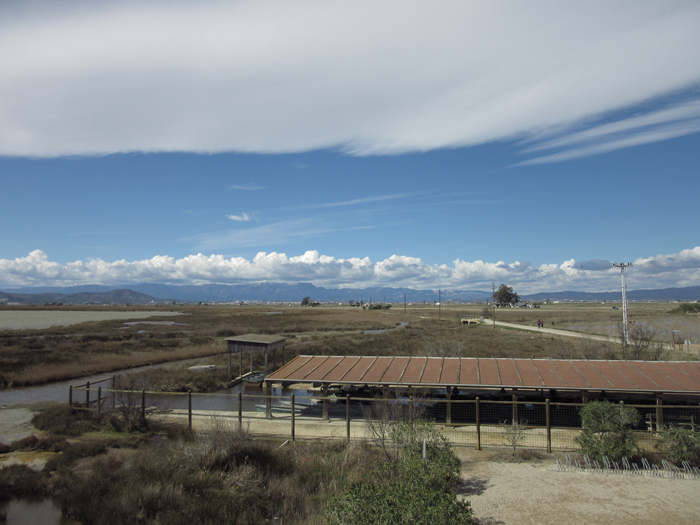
(529, 493)
(15, 423)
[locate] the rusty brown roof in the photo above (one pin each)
(469, 372)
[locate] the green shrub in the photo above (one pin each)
(607, 430)
(686, 308)
(64, 420)
(680, 444)
(410, 491)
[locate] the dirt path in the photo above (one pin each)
(528, 493)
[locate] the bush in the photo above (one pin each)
(64, 420)
(410, 491)
(607, 430)
(680, 444)
(20, 480)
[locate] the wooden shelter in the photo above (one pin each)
(254, 343)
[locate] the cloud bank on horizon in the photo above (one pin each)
(567, 79)
(662, 271)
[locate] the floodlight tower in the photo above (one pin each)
(625, 328)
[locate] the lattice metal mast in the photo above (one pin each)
(625, 325)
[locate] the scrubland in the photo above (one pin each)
(30, 357)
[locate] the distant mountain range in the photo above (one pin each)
(280, 292)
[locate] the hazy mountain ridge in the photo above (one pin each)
(120, 296)
(281, 292)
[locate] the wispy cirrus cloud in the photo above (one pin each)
(362, 200)
(245, 187)
(243, 217)
(675, 121)
(661, 271)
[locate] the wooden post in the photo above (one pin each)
(70, 396)
(293, 418)
(274, 358)
(659, 412)
(265, 363)
(268, 400)
(448, 407)
(240, 411)
(549, 428)
(347, 414)
(229, 366)
(87, 394)
(251, 361)
(99, 402)
(143, 405)
(189, 408)
(324, 392)
(515, 409)
(410, 408)
(478, 426)
(240, 364)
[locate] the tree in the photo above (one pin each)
(306, 301)
(608, 430)
(505, 295)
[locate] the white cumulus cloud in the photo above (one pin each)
(661, 271)
(243, 217)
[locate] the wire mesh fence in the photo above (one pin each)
(544, 426)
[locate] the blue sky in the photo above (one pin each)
(350, 144)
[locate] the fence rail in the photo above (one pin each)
(476, 423)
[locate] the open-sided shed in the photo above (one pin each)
(254, 343)
(634, 377)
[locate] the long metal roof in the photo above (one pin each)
(469, 372)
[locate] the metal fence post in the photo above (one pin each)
(324, 392)
(549, 428)
(293, 419)
(87, 394)
(268, 399)
(448, 407)
(143, 405)
(347, 414)
(99, 402)
(189, 408)
(478, 426)
(70, 396)
(240, 411)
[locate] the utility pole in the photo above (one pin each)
(625, 320)
(493, 304)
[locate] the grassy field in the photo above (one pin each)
(38, 356)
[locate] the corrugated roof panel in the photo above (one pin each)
(291, 367)
(631, 372)
(450, 371)
(319, 374)
(548, 372)
(612, 374)
(528, 373)
(433, 369)
(591, 375)
(395, 371)
(414, 370)
(509, 374)
(690, 371)
(489, 372)
(468, 371)
(656, 372)
(377, 370)
(358, 371)
(340, 371)
(570, 375)
(311, 365)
